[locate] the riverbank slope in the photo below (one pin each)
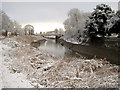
(41, 69)
(110, 53)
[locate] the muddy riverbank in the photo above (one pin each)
(111, 54)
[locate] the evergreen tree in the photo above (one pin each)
(114, 24)
(96, 25)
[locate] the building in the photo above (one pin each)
(29, 30)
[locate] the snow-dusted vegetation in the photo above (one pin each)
(103, 21)
(96, 25)
(45, 70)
(7, 25)
(74, 24)
(114, 23)
(26, 65)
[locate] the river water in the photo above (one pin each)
(53, 47)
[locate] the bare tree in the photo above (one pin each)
(74, 24)
(7, 25)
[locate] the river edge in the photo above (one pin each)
(89, 51)
(56, 72)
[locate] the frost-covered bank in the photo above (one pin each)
(8, 62)
(7, 78)
(45, 70)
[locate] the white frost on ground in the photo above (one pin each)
(71, 40)
(0, 65)
(26, 66)
(8, 79)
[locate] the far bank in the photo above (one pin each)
(111, 54)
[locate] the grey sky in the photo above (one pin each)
(46, 12)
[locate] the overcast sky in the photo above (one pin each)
(46, 16)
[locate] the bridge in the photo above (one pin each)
(57, 35)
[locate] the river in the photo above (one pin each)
(53, 47)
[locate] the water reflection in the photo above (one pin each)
(51, 46)
(55, 48)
